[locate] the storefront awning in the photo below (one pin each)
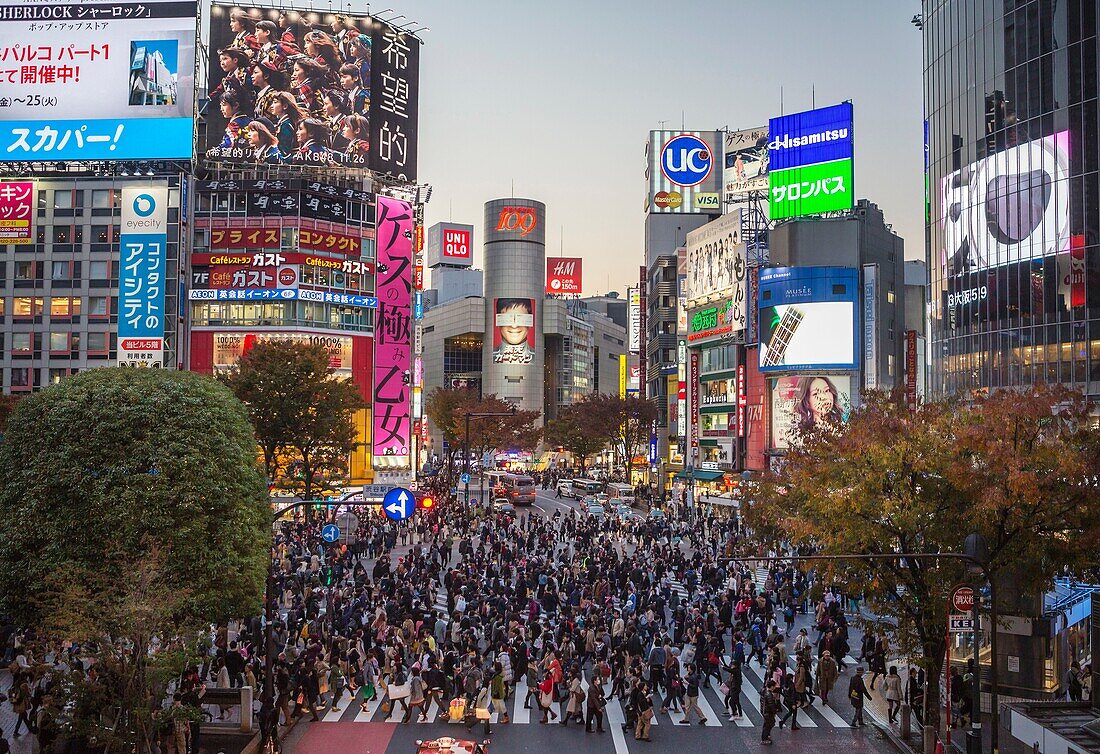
(700, 475)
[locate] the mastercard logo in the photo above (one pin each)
(668, 199)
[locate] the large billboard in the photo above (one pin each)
(229, 347)
(311, 88)
(513, 331)
(563, 275)
(142, 276)
(391, 438)
(684, 171)
(111, 81)
(716, 266)
(803, 402)
(810, 162)
(746, 163)
(808, 318)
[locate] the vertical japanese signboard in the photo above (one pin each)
(393, 336)
(870, 326)
(141, 276)
(97, 81)
(16, 212)
(394, 103)
(693, 415)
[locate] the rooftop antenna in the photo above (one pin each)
(813, 97)
(451, 209)
(781, 110)
(561, 241)
(683, 126)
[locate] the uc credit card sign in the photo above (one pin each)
(142, 269)
(97, 81)
(810, 158)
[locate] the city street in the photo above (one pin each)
(823, 729)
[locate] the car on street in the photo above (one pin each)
(564, 487)
(656, 513)
(504, 505)
(624, 512)
(595, 510)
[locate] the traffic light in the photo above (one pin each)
(328, 576)
(427, 502)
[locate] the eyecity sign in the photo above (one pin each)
(686, 160)
(810, 159)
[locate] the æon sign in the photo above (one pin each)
(962, 599)
(456, 244)
(517, 218)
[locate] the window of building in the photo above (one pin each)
(59, 341)
(889, 365)
(20, 377)
(21, 341)
(97, 306)
(60, 271)
(27, 306)
(99, 271)
(101, 198)
(62, 234)
(63, 199)
(25, 270)
(97, 342)
(56, 375)
(101, 234)
(889, 295)
(64, 307)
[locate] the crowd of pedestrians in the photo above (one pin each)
(581, 609)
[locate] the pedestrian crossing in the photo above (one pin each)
(710, 701)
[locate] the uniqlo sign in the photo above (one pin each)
(456, 244)
(563, 275)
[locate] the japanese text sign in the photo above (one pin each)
(334, 242)
(245, 238)
(102, 81)
(16, 212)
(563, 275)
(810, 162)
(392, 424)
(142, 276)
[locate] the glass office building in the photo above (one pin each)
(1012, 161)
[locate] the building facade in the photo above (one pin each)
(1013, 161)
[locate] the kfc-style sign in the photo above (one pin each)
(521, 219)
(245, 238)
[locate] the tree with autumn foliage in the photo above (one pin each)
(575, 431)
(447, 408)
(624, 422)
(1019, 468)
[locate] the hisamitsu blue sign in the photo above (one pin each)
(811, 137)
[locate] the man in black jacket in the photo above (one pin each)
(857, 692)
(769, 708)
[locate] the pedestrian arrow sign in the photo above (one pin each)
(465, 478)
(330, 533)
(399, 504)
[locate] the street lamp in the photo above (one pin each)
(466, 446)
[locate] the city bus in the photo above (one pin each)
(584, 487)
(518, 488)
(623, 492)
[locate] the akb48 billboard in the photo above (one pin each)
(312, 88)
(87, 81)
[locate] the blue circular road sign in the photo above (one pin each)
(330, 533)
(399, 504)
(465, 478)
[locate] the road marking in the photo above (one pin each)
(372, 707)
(520, 715)
(333, 715)
(615, 721)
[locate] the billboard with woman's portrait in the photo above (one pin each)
(803, 402)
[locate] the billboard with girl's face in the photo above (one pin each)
(804, 402)
(513, 331)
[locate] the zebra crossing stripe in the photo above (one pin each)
(520, 714)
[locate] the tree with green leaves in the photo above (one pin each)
(575, 430)
(509, 429)
(1019, 468)
(297, 404)
(131, 507)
